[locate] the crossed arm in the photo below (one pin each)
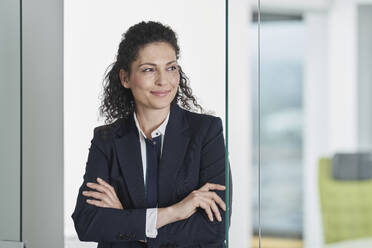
(99, 219)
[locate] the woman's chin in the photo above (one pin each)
(156, 104)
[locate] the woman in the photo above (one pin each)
(155, 176)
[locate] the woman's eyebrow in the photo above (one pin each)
(147, 63)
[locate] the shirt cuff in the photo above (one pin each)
(151, 219)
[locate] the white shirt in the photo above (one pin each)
(151, 213)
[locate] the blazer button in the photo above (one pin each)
(118, 236)
(122, 236)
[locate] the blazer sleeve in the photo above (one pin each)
(98, 224)
(198, 228)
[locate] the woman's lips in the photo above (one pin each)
(160, 93)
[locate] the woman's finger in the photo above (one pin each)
(97, 195)
(213, 206)
(214, 196)
(218, 200)
(108, 186)
(102, 189)
(206, 207)
(215, 210)
(212, 186)
(97, 203)
(108, 194)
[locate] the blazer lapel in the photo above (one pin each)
(129, 155)
(176, 139)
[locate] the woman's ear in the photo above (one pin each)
(124, 78)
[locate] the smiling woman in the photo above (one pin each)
(153, 81)
(146, 52)
(155, 175)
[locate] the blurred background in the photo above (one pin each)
(299, 111)
(315, 132)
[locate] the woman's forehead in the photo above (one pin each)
(156, 53)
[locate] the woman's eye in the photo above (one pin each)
(147, 69)
(172, 68)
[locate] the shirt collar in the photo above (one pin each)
(159, 131)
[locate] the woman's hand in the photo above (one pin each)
(106, 195)
(202, 198)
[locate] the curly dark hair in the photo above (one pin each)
(118, 101)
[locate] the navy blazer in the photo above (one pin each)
(193, 154)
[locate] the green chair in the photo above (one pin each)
(346, 206)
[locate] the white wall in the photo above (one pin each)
(241, 39)
(92, 32)
(342, 83)
(315, 121)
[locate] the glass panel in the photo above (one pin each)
(10, 124)
(316, 167)
(91, 45)
(242, 77)
(281, 129)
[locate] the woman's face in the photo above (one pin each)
(154, 76)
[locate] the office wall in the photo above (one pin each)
(10, 132)
(42, 123)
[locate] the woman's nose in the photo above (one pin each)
(162, 78)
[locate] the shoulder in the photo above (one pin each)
(107, 131)
(202, 120)
(205, 125)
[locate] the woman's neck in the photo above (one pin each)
(151, 119)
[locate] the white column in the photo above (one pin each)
(240, 122)
(315, 121)
(342, 86)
